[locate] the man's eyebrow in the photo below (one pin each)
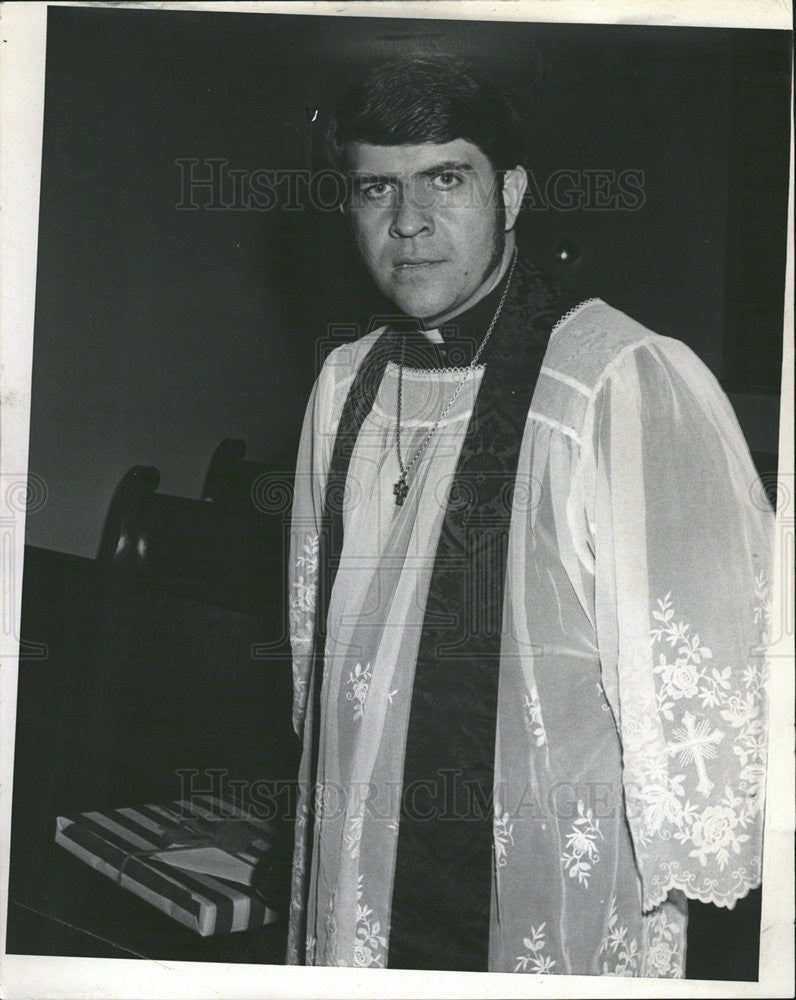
(447, 166)
(367, 177)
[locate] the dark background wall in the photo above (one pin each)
(160, 330)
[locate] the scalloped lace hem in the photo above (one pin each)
(703, 894)
(408, 370)
(572, 312)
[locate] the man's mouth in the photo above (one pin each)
(414, 265)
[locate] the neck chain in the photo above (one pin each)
(401, 488)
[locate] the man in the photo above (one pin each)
(528, 590)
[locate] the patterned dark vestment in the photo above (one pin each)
(441, 896)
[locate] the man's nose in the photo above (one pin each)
(411, 217)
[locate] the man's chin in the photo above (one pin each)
(421, 307)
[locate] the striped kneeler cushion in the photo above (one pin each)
(212, 845)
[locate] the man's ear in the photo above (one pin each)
(514, 184)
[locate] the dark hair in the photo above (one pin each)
(424, 99)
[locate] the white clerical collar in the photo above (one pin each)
(434, 336)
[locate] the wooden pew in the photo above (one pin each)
(173, 676)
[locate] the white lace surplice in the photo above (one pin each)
(630, 740)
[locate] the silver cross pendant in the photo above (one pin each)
(400, 490)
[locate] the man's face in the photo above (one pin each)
(429, 223)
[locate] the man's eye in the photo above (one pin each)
(446, 181)
(378, 191)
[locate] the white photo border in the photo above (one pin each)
(22, 51)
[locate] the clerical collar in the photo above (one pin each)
(461, 335)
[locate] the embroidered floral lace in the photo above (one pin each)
(631, 725)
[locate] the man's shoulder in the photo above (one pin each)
(589, 338)
(582, 349)
(341, 362)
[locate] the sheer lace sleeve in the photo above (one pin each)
(311, 468)
(682, 561)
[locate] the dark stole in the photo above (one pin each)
(441, 899)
